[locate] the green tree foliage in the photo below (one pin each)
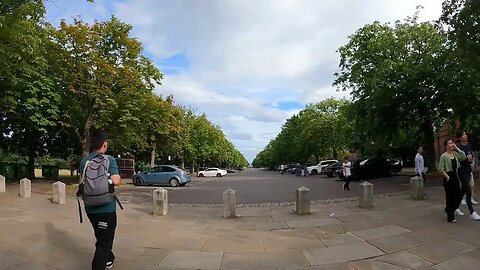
(319, 131)
(399, 78)
(59, 83)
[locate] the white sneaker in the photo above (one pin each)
(459, 213)
(464, 201)
(475, 216)
(474, 202)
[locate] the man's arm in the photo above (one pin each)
(113, 170)
(417, 165)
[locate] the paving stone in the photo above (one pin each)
(292, 243)
(474, 254)
(306, 232)
(460, 263)
(380, 232)
(272, 225)
(339, 239)
(405, 259)
(376, 265)
(343, 253)
(441, 250)
(426, 236)
(236, 245)
(71, 261)
(184, 243)
(393, 243)
(10, 259)
(193, 259)
(312, 222)
(31, 265)
(282, 259)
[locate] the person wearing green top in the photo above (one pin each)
(103, 218)
(448, 166)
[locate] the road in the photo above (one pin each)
(260, 186)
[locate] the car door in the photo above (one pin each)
(211, 172)
(167, 174)
(152, 175)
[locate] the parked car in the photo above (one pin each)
(376, 167)
(331, 169)
(212, 172)
(162, 175)
(318, 168)
(287, 168)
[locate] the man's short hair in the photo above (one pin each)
(460, 133)
(97, 138)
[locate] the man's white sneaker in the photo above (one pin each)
(464, 201)
(459, 213)
(474, 202)
(475, 216)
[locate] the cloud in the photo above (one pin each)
(236, 60)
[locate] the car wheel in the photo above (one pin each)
(314, 172)
(138, 181)
(174, 182)
(200, 175)
(219, 175)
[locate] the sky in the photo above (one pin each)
(249, 65)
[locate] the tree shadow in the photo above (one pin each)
(62, 239)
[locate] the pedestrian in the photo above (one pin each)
(448, 166)
(103, 218)
(420, 166)
(298, 169)
(465, 175)
(347, 173)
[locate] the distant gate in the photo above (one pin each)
(126, 167)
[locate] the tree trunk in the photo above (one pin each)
(152, 157)
(427, 128)
(32, 152)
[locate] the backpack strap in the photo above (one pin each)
(79, 210)
(116, 199)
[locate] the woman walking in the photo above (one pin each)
(448, 166)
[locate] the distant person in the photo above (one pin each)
(465, 175)
(103, 218)
(447, 165)
(420, 165)
(298, 169)
(347, 173)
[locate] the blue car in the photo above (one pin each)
(162, 175)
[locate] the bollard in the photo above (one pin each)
(365, 199)
(25, 188)
(59, 193)
(229, 203)
(416, 188)
(2, 184)
(303, 201)
(160, 202)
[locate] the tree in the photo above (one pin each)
(398, 76)
(30, 100)
(101, 63)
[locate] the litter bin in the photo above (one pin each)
(50, 171)
(21, 170)
(7, 169)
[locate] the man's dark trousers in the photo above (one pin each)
(104, 225)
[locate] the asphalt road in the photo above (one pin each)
(260, 186)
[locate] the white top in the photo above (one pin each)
(346, 168)
(419, 164)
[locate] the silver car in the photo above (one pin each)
(162, 175)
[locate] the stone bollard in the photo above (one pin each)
(160, 202)
(229, 203)
(303, 201)
(416, 188)
(2, 184)
(365, 199)
(59, 193)
(25, 188)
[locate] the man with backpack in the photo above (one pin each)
(99, 175)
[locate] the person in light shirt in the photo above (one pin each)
(347, 173)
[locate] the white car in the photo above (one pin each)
(212, 172)
(318, 168)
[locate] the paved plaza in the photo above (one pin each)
(397, 234)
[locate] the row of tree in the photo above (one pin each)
(58, 83)
(406, 80)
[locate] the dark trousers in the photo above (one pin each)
(104, 225)
(347, 180)
(452, 194)
(465, 179)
